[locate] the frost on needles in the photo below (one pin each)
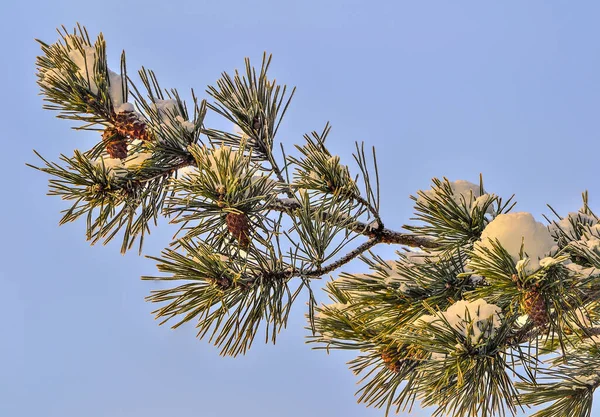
(484, 311)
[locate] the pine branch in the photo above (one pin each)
(310, 273)
(382, 235)
(239, 256)
(530, 332)
(372, 230)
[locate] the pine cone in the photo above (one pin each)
(391, 361)
(535, 307)
(128, 125)
(239, 227)
(116, 144)
(256, 123)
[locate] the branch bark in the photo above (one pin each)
(382, 234)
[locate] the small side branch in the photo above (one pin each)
(382, 235)
(373, 231)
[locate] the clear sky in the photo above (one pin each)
(509, 89)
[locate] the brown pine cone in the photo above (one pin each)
(535, 307)
(256, 123)
(239, 226)
(391, 361)
(128, 125)
(116, 144)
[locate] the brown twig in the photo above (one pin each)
(382, 234)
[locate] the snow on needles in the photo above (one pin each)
(115, 90)
(187, 171)
(166, 108)
(116, 167)
(85, 60)
(473, 319)
(462, 190)
(124, 108)
(566, 223)
(170, 117)
(513, 229)
(185, 124)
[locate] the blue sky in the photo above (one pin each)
(508, 89)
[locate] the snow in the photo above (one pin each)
(137, 159)
(462, 314)
(289, 201)
(85, 62)
(593, 244)
(185, 124)
(565, 224)
(218, 153)
(166, 109)
(187, 171)
(169, 117)
(511, 230)
(52, 74)
(419, 257)
(583, 317)
(461, 190)
(168, 113)
(326, 308)
(481, 201)
(115, 89)
(520, 266)
(314, 175)
(374, 224)
(590, 380)
(591, 342)
(238, 131)
(393, 278)
(270, 182)
(114, 167)
(464, 188)
(436, 356)
(124, 108)
(387, 274)
(477, 279)
(216, 157)
(134, 144)
(548, 262)
(581, 270)
(522, 320)
(334, 160)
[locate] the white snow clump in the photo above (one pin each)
(187, 171)
(475, 320)
(168, 113)
(461, 190)
(185, 124)
(85, 61)
(166, 109)
(512, 229)
(566, 223)
(333, 306)
(124, 108)
(116, 167)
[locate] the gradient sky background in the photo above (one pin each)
(508, 89)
